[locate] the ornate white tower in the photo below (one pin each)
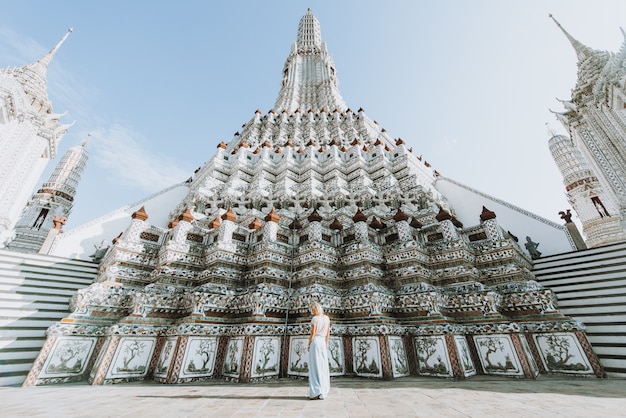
(309, 79)
(29, 134)
(593, 161)
(50, 206)
(310, 202)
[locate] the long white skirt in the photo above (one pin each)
(319, 376)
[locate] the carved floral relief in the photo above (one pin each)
(266, 357)
(200, 357)
(432, 356)
(132, 358)
(69, 357)
(562, 353)
(497, 355)
(366, 357)
(399, 361)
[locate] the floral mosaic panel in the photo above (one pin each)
(266, 357)
(366, 357)
(464, 354)
(336, 356)
(69, 357)
(165, 358)
(232, 362)
(432, 356)
(132, 358)
(399, 362)
(497, 355)
(562, 353)
(200, 357)
(298, 356)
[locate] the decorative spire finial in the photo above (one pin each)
(309, 32)
(45, 60)
(309, 79)
(582, 51)
(551, 131)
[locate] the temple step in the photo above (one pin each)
(35, 291)
(590, 286)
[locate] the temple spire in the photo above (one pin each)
(309, 79)
(51, 203)
(43, 62)
(582, 51)
(309, 32)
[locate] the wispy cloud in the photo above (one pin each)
(126, 158)
(17, 49)
(68, 93)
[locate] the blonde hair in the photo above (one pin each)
(317, 309)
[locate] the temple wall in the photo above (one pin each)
(583, 281)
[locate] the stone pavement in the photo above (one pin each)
(480, 396)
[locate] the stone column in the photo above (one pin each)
(130, 238)
(361, 233)
(492, 230)
(528, 365)
(270, 229)
(447, 227)
(227, 227)
(409, 349)
(347, 355)
(315, 227)
(178, 240)
(246, 358)
(455, 359)
(127, 242)
(403, 227)
(385, 357)
(336, 226)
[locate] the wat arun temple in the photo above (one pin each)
(313, 201)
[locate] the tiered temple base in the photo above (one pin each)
(406, 306)
(193, 351)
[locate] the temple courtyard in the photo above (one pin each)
(480, 396)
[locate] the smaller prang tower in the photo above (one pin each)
(48, 209)
(29, 134)
(592, 159)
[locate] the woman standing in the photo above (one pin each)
(319, 376)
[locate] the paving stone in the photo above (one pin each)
(420, 397)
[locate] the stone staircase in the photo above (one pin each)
(34, 293)
(591, 287)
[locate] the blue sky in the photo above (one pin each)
(467, 84)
